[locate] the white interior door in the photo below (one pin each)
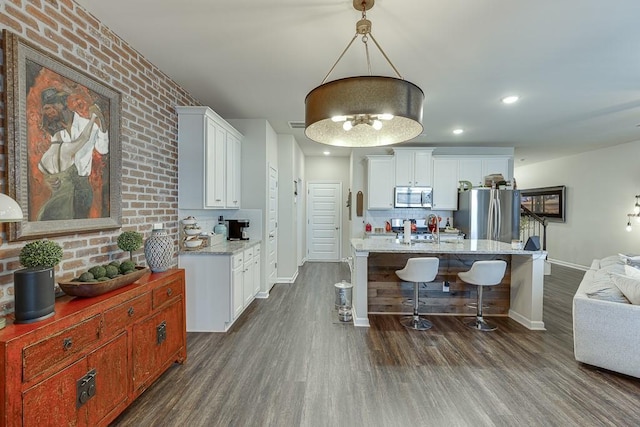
(272, 239)
(324, 218)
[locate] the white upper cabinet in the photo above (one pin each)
(445, 183)
(380, 182)
(233, 176)
(475, 168)
(413, 167)
(209, 153)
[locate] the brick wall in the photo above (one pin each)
(149, 128)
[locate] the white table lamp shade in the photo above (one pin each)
(10, 210)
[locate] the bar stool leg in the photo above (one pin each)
(415, 322)
(479, 322)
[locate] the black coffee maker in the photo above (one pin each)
(237, 229)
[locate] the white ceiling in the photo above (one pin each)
(574, 63)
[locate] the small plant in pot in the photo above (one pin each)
(130, 241)
(34, 286)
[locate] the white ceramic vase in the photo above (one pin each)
(158, 250)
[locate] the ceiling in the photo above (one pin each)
(574, 63)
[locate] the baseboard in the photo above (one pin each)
(529, 324)
(547, 268)
(264, 294)
(568, 264)
(288, 279)
(360, 321)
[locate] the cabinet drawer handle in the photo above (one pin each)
(169, 292)
(130, 312)
(67, 344)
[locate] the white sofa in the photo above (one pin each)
(606, 329)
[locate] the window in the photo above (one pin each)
(548, 202)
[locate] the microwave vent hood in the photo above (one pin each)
(413, 197)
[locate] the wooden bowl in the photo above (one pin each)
(92, 289)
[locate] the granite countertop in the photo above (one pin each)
(464, 246)
(227, 247)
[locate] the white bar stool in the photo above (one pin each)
(418, 270)
(481, 274)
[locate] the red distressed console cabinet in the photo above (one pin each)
(88, 362)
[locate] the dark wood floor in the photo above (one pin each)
(289, 362)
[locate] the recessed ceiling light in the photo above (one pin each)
(326, 153)
(510, 99)
(458, 131)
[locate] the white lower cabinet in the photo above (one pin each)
(247, 277)
(219, 287)
(237, 301)
(256, 270)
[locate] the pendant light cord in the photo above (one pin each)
(365, 38)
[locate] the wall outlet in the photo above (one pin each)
(445, 286)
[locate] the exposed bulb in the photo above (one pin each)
(337, 119)
(628, 226)
(377, 124)
(385, 116)
(347, 125)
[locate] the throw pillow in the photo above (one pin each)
(632, 271)
(630, 259)
(629, 286)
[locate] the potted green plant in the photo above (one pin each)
(34, 285)
(130, 241)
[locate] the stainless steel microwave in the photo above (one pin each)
(413, 197)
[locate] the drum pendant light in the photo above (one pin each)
(364, 111)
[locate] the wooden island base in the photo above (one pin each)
(375, 262)
(387, 294)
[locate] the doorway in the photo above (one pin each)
(324, 217)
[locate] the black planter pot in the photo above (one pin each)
(35, 297)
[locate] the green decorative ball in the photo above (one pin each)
(111, 271)
(86, 277)
(98, 271)
(127, 266)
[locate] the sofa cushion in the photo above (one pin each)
(611, 260)
(602, 287)
(611, 268)
(629, 286)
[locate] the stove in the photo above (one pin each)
(419, 235)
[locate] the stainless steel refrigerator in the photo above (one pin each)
(484, 213)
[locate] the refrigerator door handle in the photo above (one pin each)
(491, 218)
(498, 228)
(499, 222)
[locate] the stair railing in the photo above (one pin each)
(532, 224)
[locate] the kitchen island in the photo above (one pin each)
(522, 289)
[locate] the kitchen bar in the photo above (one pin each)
(524, 302)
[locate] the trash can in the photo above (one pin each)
(343, 300)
